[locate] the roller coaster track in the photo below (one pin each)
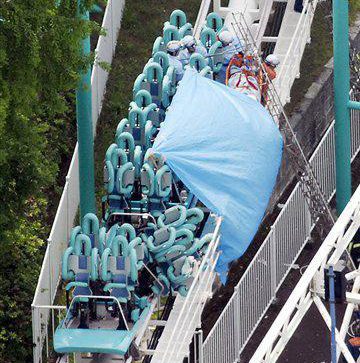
(319, 208)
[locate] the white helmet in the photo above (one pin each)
(173, 47)
(189, 41)
(272, 60)
(226, 37)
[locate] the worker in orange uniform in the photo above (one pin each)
(271, 62)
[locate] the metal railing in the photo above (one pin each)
(265, 7)
(50, 272)
(201, 17)
(311, 286)
(290, 65)
(291, 231)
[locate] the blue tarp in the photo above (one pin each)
(227, 150)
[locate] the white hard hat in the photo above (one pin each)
(272, 60)
(226, 37)
(189, 41)
(173, 46)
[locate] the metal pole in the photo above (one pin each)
(341, 99)
(85, 130)
(332, 313)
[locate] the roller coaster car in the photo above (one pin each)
(99, 325)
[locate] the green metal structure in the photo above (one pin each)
(342, 102)
(85, 131)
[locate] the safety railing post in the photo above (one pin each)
(217, 6)
(273, 266)
(112, 27)
(237, 320)
(308, 220)
(50, 271)
(35, 334)
(40, 342)
(201, 346)
(67, 191)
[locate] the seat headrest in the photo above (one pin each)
(82, 245)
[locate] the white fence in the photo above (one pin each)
(258, 286)
(290, 65)
(311, 286)
(66, 212)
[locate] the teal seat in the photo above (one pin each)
(208, 37)
(168, 87)
(161, 286)
(80, 265)
(119, 174)
(150, 132)
(183, 243)
(172, 217)
(119, 179)
(194, 217)
(181, 274)
(156, 178)
(92, 341)
(198, 62)
(163, 59)
(170, 32)
(158, 46)
(147, 178)
(125, 141)
(123, 126)
(180, 217)
(216, 56)
(119, 269)
(214, 22)
(177, 18)
(138, 116)
(199, 246)
(90, 226)
(69, 340)
(161, 240)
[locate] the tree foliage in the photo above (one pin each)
(39, 66)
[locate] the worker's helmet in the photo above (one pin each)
(272, 60)
(189, 42)
(173, 47)
(226, 37)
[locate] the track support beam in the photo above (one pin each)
(85, 130)
(341, 102)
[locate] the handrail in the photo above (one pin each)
(94, 297)
(297, 29)
(296, 47)
(340, 235)
(201, 17)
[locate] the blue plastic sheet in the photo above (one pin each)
(227, 150)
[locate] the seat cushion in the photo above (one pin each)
(120, 263)
(120, 293)
(120, 279)
(82, 277)
(80, 290)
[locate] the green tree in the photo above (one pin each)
(39, 66)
